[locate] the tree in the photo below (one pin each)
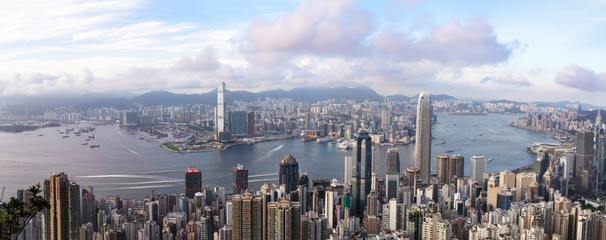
(16, 214)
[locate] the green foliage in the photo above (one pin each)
(16, 214)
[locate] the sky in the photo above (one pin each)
(491, 50)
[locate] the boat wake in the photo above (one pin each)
(263, 180)
(263, 175)
(276, 149)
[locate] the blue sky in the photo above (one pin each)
(517, 50)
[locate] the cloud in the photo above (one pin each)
(508, 79)
(452, 43)
(324, 28)
(581, 78)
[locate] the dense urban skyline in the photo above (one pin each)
(508, 50)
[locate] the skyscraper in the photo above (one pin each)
(240, 182)
(477, 167)
(361, 171)
(88, 206)
(423, 137)
(238, 124)
(289, 173)
(247, 216)
(392, 161)
(449, 167)
(220, 112)
(392, 173)
(347, 175)
(62, 218)
(283, 220)
(193, 182)
(250, 124)
(385, 120)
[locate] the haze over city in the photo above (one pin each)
(515, 50)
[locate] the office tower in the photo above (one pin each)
(411, 176)
(385, 120)
(238, 123)
(289, 173)
(306, 123)
(88, 206)
(247, 216)
(225, 233)
(347, 175)
(414, 219)
(250, 124)
(329, 207)
(392, 161)
(62, 218)
(504, 198)
(220, 112)
(507, 178)
(304, 180)
(584, 156)
(492, 191)
(522, 182)
(283, 220)
(193, 181)
(361, 171)
(392, 181)
(544, 165)
(450, 167)
(423, 137)
(477, 167)
(305, 229)
(240, 177)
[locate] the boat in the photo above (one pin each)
(85, 143)
(326, 139)
(442, 142)
(88, 139)
(307, 139)
(481, 134)
(489, 159)
(346, 145)
(93, 136)
(94, 146)
(66, 136)
(141, 138)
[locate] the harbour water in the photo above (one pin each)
(131, 167)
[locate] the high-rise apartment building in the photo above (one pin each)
(247, 216)
(423, 137)
(361, 171)
(62, 218)
(289, 173)
(283, 220)
(240, 178)
(193, 182)
(477, 167)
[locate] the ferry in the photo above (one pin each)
(66, 136)
(94, 146)
(346, 145)
(327, 139)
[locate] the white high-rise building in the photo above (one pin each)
(477, 167)
(423, 137)
(347, 175)
(220, 111)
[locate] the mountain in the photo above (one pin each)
(585, 106)
(304, 94)
(399, 98)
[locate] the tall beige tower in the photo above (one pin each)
(423, 137)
